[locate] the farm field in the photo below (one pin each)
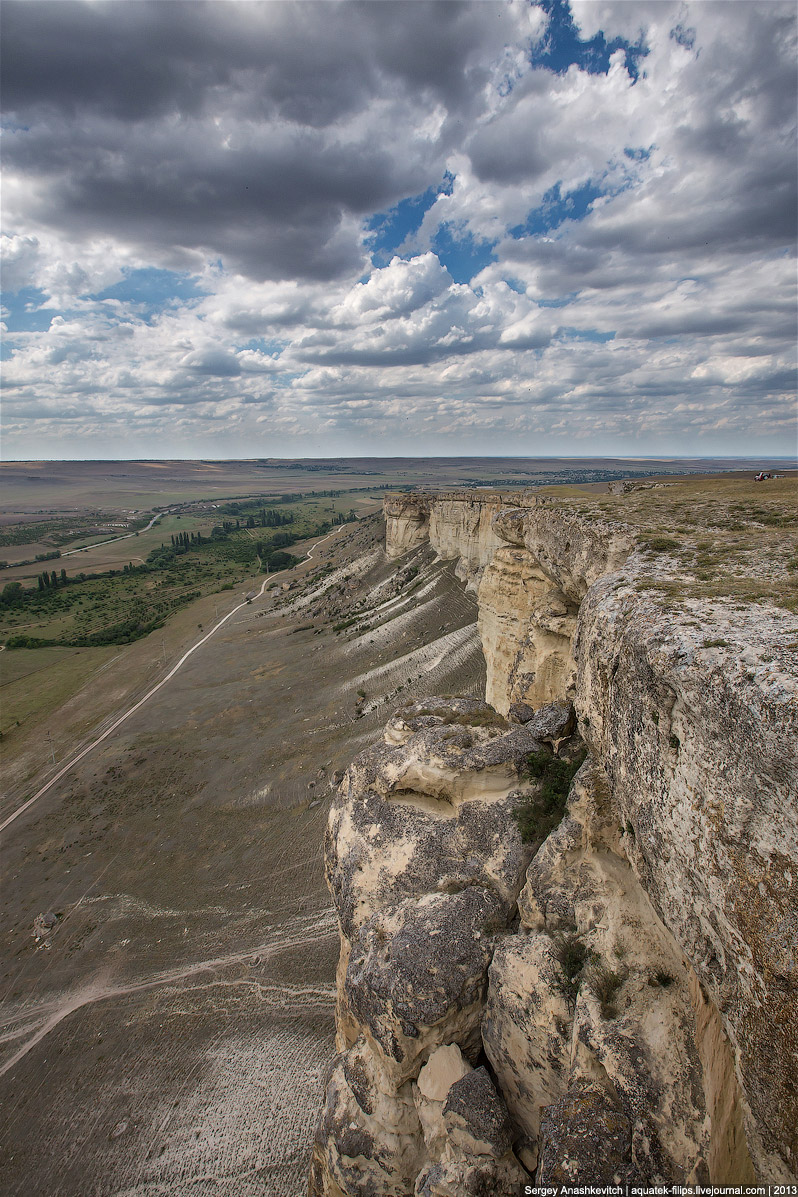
(31, 488)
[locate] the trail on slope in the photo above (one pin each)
(137, 706)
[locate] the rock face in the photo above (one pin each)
(526, 625)
(406, 523)
(622, 1006)
(700, 755)
(458, 525)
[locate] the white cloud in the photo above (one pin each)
(261, 181)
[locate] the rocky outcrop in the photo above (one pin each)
(622, 1006)
(425, 863)
(589, 1009)
(406, 523)
(526, 625)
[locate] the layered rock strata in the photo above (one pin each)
(622, 1006)
(458, 525)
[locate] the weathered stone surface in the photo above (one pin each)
(553, 723)
(367, 1140)
(585, 1138)
(520, 712)
(406, 523)
(581, 896)
(700, 753)
(425, 863)
(457, 524)
(418, 972)
(526, 1028)
(570, 551)
(460, 527)
(445, 1066)
(526, 625)
(459, 1175)
(429, 814)
(476, 1117)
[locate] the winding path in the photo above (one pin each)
(132, 710)
(85, 548)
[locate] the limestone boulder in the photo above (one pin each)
(368, 1140)
(417, 973)
(476, 1117)
(429, 812)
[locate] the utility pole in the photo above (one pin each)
(50, 742)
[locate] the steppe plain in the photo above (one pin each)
(170, 1034)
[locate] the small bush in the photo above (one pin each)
(539, 813)
(605, 983)
(660, 544)
(476, 719)
(571, 954)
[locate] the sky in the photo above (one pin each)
(301, 228)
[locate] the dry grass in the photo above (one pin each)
(728, 537)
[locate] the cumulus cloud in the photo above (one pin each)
(575, 249)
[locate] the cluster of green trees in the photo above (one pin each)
(12, 594)
(51, 581)
(269, 519)
(123, 632)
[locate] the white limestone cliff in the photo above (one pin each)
(622, 1006)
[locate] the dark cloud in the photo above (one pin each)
(214, 127)
(311, 62)
(253, 144)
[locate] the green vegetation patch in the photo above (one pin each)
(117, 607)
(539, 812)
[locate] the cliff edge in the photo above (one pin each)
(569, 915)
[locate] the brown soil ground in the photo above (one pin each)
(172, 1037)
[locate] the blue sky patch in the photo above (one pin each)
(556, 208)
(637, 153)
(389, 230)
(460, 253)
(153, 289)
(264, 345)
(23, 313)
(562, 47)
(585, 334)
